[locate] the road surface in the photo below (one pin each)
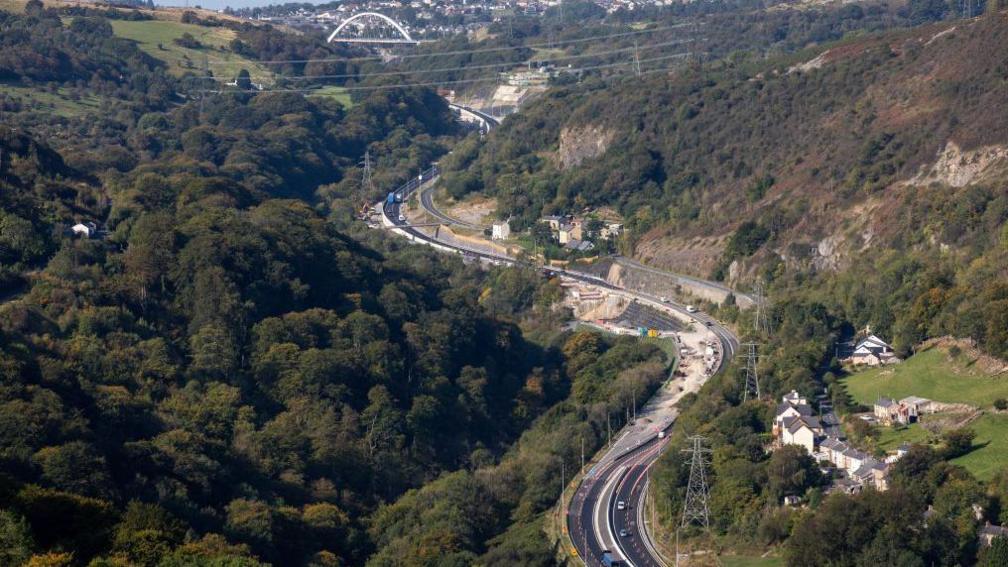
(595, 517)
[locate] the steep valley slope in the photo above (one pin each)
(807, 162)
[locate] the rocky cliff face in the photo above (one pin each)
(582, 143)
(958, 168)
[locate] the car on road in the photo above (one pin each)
(709, 323)
(608, 560)
(664, 299)
(691, 309)
(624, 533)
(620, 505)
(402, 218)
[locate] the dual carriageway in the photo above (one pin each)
(610, 498)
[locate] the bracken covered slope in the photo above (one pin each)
(869, 142)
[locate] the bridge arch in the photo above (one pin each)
(406, 38)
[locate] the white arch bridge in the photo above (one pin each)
(371, 27)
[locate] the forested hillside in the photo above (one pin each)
(869, 157)
(228, 372)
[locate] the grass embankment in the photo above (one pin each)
(60, 102)
(339, 93)
(157, 38)
(936, 375)
(930, 374)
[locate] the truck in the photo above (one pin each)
(391, 199)
(608, 560)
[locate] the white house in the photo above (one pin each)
(873, 351)
(801, 431)
(501, 230)
(611, 230)
(85, 229)
(793, 397)
(790, 410)
(788, 421)
(833, 449)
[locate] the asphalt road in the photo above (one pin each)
(427, 202)
(594, 518)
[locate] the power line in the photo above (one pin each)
(636, 58)
(474, 80)
(483, 50)
(635, 49)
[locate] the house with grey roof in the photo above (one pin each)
(801, 430)
(873, 351)
(989, 532)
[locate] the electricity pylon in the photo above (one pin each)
(752, 377)
(760, 322)
(367, 185)
(695, 508)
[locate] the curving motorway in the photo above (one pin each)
(595, 518)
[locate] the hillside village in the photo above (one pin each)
(849, 468)
(849, 465)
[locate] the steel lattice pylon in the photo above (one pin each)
(366, 184)
(760, 322)
(752, 377)
(695, 508)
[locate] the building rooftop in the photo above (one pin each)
(833, 444)
(802, 409)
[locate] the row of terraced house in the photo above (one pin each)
(796, 424)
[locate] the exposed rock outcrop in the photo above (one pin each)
(958, 168)
(581, 143)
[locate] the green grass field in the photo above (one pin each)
(933, 374)
(989, 456)
(992, 440)
(930, 374)
(890, 437)
(58, 102)
(339, 93)
(156, 37)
